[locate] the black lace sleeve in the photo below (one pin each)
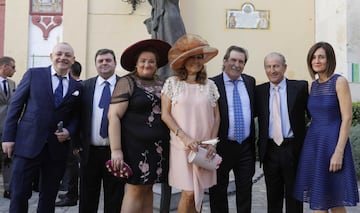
(123, 90)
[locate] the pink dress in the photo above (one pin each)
(193, 110)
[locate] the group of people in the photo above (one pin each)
(150, 124)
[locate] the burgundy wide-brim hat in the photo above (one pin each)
(129, 56)
(190, 45)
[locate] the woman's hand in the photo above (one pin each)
(336, 161)
(117, 159)
(192, 145)
(211, 151)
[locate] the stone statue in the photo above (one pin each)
(166, 24)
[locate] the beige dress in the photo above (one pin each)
(193, 110)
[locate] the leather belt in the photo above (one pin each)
(286, 140)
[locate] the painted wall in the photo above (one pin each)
(337, 22)
(291, 33)
(2, 26)
(90, 24)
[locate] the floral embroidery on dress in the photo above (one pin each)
(174, 88)
(156, 110)
(144, 165)
(159, 150)
(153, 93)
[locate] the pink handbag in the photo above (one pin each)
(200, 159)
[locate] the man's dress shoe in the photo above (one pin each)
(7, 194)
(66, 202)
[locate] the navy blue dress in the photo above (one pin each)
(315, 184)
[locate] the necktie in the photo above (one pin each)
(276, 125)
(58, 94)
(104, 104)
(239, 131)
(5, 88)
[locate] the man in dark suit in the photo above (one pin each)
(280, 137)
(95, 143)
(237, 145)
(45, 97)
(7, 69)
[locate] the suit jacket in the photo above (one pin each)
(32, 116)
(4, 103)
(224, 114)
(297, 95)
(86, 117)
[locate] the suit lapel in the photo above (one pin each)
(223, 98)
(266, 105)
(71, 88)
(291, 95)
(11, 87)
(249, 90)
(47, 78)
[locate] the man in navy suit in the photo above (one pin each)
(238, 154)
(280, 155)
(31, 136)
(94, 143)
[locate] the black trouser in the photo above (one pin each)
(240, 159)
(71, 176)
(94, 175)
(280, 165)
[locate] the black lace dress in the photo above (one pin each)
(144, 137)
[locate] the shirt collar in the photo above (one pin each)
(112, 80)
(53, 72)
(282, 84)
(228, 79)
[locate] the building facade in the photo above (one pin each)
(30, 28)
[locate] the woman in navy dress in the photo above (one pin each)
(326, 176)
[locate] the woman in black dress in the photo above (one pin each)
(137, 135)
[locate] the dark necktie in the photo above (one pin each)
(58, 94)
(104, 104)
(239, 131)
(5, 88)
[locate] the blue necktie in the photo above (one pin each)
(104, 104)
(239, 131)
(58, 94)
(5, 88)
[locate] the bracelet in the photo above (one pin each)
(177, 131)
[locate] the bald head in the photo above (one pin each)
(62, 58)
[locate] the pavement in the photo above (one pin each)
(258, 200)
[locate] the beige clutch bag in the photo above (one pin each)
(199, 158)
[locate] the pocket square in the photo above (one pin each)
(76, 93)
(125, 172)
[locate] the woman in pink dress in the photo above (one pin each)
(189, 108)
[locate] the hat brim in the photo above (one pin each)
(207, 51)
(128, 58)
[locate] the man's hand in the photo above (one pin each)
(62, 136)
(8, 148)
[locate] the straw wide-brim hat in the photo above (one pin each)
(190, 45)
(129, 56)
